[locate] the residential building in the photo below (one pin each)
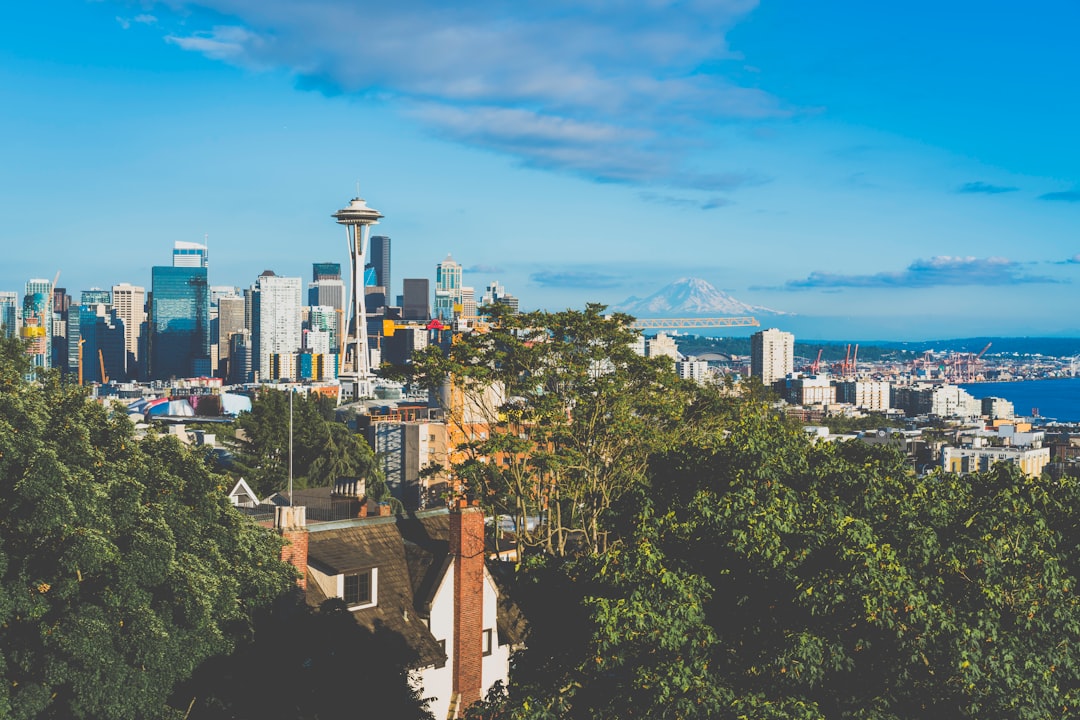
(696, 370)
(995, 408)
(275, 319)
(942, 400)
(422, 577)
(810, 390)
(662, 345)
(772, 355)
(405, 449)
(872, 395)
(179, 322)
(1031, 460)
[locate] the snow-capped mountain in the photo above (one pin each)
(689, 297)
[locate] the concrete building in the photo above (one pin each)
(405, 449)
(947, 401)
(873, 395)
(1031, 460)
(662, 345)
(772, 355)
(129, 303)
(275, 317)
(997, 408)
(696, 370)
(810, 390)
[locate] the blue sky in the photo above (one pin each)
(882, 170)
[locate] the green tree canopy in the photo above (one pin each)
(323, 449)
(122, 565)
(764, 575)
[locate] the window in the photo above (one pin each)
(442, 646)
(487, 642)
(358, 588)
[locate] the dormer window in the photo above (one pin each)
(358, 588)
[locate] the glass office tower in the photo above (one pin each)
(179, 322)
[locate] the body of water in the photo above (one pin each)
(1058, 398)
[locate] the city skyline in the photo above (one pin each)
(894, 175)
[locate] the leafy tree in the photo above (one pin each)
(323, 449)
(764, 575)
(556, 416)
(122, 565)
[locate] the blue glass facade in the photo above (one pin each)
(179, 322)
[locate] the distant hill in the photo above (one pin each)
(888, 349)
(690, 297)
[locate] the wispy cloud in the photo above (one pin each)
(613, 91)
(983, 188)
(580, 279)
(937, 271)
(677, 201)
(1074, 260)
(488, 269)
(1064, 196)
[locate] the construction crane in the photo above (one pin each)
(389, 327)
(814, 366)
(81, 341)
(684, 323)
(101, 361)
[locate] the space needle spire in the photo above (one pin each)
(357, 219)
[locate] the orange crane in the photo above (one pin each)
(817, 362)
(101, 361)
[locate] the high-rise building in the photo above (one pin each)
(325, 319)
(189, 255)
(772, 355)
(9, 314)
(96, 296)
(61, 302)
(416, 300)
(447, 289)
(240, 357)
(179, 322)
(37, 319)
(325, 271)
(129, 303)
(275, 315)
(74, 337)
(230, 322)
(380, 261)
(103, 344)
(496, 293)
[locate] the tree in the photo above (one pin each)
(765, 575)
(556, 416)
(323, 449)
(122, 565)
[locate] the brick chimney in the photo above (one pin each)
(291, 524)
(467, 549)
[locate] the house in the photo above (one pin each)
(423, 577)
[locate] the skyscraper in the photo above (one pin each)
(380, 261)
(37, 318)
(104, 344)
(190, 255)
(416, 300)
(9, 313)
(772, 355)
(129, 303)
(447, 289)
(179, 322)
(230, 322)
(325, 271)
(275, 315)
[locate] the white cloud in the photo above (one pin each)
(561, 84)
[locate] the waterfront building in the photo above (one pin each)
(276, 322)
(947, 401)
(995, 408)
(772, 355)
(872, 395)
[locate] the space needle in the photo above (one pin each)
(357, 219)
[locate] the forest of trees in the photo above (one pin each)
(701, 557)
